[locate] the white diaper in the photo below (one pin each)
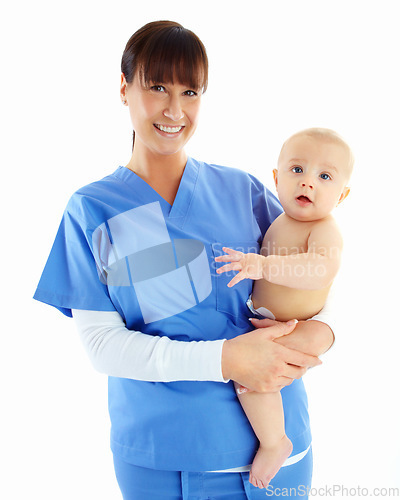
(260, 311)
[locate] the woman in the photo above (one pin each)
(132, 263)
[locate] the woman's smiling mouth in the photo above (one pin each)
(168, 130)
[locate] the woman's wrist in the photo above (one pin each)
(226, 357)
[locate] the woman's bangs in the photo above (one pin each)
(176, 59)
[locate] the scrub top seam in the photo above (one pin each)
(190, 201)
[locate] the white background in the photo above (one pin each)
(275, 67)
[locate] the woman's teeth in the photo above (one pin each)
(169, 130)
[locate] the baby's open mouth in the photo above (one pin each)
(303, 200)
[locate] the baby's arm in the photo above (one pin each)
(311, 270)
(319, 265)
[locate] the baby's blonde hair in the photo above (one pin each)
(324, 134)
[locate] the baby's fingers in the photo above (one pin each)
(233, 266)
(239, 277)
(232, 254)
(223, 258)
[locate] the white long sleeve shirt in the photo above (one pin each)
(119, 352)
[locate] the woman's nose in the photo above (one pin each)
(173, 111)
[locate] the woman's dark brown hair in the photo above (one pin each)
(165, 52)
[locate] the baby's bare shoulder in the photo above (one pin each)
(286, 236)
(327, 224)
(326, 233)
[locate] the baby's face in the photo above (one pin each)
(311, 177)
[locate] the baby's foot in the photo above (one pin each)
(268, 461)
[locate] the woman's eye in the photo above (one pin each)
(297, 170)
(158, 88)
(326, 177)
(190, 93)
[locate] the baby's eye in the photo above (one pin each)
(326, 177)
(297, 170)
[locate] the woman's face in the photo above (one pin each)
(164, 115)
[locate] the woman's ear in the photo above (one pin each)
(275, 172)
(122, 91)
(344, 194)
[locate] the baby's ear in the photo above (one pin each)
(275, 173)
(344, 194)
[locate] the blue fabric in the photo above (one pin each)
(138, 483)
(120, 246)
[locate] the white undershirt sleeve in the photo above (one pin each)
(119, 352)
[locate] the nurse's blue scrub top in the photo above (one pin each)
(121, 246)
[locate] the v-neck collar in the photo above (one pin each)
(175, 213)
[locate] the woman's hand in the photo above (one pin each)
(249, 265)
(255, 361)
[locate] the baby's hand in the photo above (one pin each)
(249, 265)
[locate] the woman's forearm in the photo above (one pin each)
(252, 359)
(116, 351)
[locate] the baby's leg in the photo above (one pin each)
(265, 414)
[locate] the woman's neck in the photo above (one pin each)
(162, 172)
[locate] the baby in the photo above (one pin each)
(299, 259)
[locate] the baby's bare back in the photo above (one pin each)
(287, 236)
